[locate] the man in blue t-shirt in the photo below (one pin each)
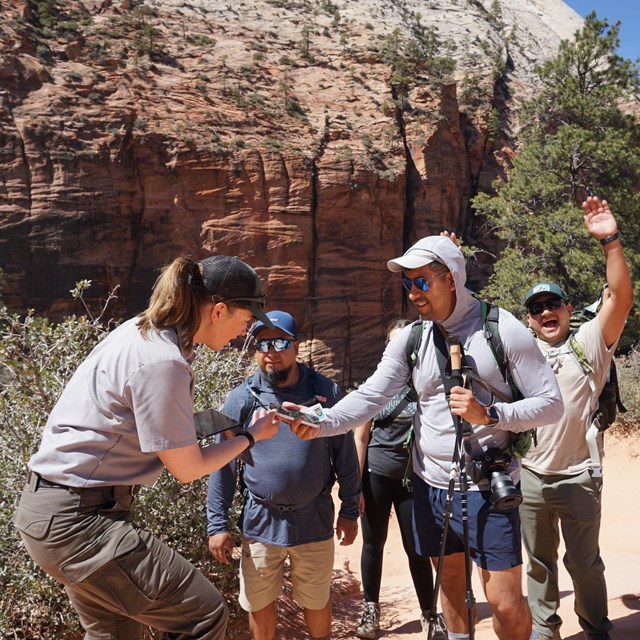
(288, 511)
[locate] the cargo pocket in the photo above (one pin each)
(113, 544)
(34, 525)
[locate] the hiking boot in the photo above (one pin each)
(370, 621)
(439, 627)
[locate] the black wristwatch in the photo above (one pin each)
(248, 436)
(493, 417)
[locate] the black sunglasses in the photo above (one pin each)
(279, 344)
(536, 308)
(422, 283)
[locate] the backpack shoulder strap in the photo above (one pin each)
(245, 417)
(521, 441)
(314, 381)
(579, 354)
(491, 329)
(613, 378)
(413, 344)
(249, 402)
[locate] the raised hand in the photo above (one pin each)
(598, 218)
(451, 235)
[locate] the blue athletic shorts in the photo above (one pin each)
(494, 537)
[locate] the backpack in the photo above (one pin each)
(609, 400)
(388, 416)
(520, 442)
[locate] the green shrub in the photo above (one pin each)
(74, 76)
(37, 358)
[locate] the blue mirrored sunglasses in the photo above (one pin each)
(279, 344)
(422, 283)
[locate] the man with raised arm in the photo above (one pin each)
(562, 473)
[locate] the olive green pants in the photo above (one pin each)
(570, 504)
(118, 577)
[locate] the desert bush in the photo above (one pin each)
(37, 358)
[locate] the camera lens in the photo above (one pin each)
(504, 494)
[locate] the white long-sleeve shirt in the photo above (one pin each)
(434, 427)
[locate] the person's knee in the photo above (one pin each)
(510, 609)
(214, 627)
(373, 547)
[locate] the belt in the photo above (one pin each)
(43, 482)
(35, 481)
(281, 507)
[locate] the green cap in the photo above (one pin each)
(544, 287)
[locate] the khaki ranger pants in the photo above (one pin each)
(118, 577)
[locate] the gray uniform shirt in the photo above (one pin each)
(130, 398)
(434, 427)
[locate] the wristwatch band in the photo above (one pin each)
(610, 238)
(248, 436)
(493, 417)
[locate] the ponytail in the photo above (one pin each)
(175, 301)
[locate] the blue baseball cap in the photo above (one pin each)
(280, 320)
(544, 287)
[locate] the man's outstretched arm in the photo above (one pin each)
(602, 225)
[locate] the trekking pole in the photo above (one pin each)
(464, 488)
(455, 379)
(448, 509)
(463, 429)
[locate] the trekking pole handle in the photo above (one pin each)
(456, 356)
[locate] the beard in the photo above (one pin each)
(276, 378)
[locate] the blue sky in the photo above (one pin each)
(627, 11)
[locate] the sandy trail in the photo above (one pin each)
(620, 548)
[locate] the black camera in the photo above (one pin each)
(493, 465)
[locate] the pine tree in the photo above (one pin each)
(575, 141)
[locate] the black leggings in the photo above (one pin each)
(379, 494)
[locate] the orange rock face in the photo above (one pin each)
(286, 134)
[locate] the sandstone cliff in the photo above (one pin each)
(315, 139)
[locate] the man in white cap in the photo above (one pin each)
(433, 273)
